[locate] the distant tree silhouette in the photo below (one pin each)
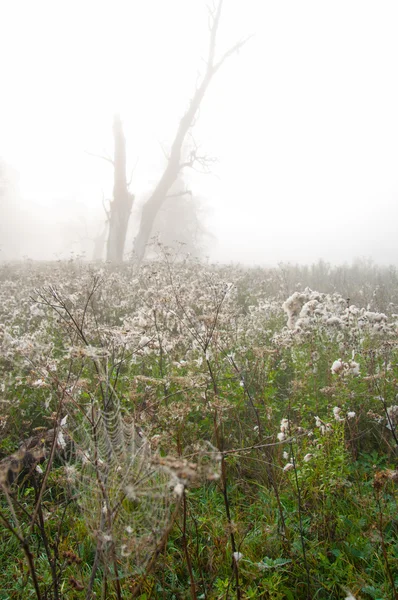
(177, 161)
(179, 221)
(10, 226)
(122, 201)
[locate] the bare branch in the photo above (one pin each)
(107, 158)
(107, 211)
(214, 22)
(167, 157)
(179, 194)
(195, 159)
(231, 51)
(133, 171)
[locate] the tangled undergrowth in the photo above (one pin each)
(192, 431)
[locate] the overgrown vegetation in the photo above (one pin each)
(192, 431)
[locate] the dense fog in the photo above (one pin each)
(299, 127)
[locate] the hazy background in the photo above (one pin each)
(303, 121)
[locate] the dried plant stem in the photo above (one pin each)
(94, 570)
(224, 485)
(52, 560)
(24, 544)
(384, 549)
(224, 489)
(138, 587)
(185, 545)
(300, 513)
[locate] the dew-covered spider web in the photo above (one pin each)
(128, 499)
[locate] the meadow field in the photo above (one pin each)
(185, 430)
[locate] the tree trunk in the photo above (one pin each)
(122, 202)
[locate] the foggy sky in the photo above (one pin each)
(303, 121)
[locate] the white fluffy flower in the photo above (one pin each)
(284, 425)
(337, 366)
(61, 440)
(39, 383)
(179, 489)
(237, 556)
(144, 341)
(354, 367)
(288, 467)
(336, 414)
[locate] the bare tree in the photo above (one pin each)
(175, 164)
(122, 202)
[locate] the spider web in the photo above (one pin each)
(127, 500)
